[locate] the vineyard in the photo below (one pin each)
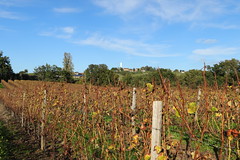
(90, 122)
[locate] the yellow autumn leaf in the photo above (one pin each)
(158, 149)
(135, 138)
(94, 114)
(168, 147)
(150, 87)
(111, 147)
(162, 157)
(229, 103)
(193, 154)
(192, 107)
(132, 146)
(230, 138)
(218, 114)
(147, 157)
(145, 120)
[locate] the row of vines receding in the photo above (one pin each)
(91, 122)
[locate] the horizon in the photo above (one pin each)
(174, 34)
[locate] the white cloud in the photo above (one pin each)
(188, 10)
(9, 15)
(119, 6)
(206, 41)
(60, 32)
(131, 47)
(69, 30)
(217, 51)
(66, 10)
(172, 10)
(215, 25)
(2, 28)
(15, 2)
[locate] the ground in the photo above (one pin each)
(15, 143)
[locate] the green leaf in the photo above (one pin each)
(214, 109)
(176, 112)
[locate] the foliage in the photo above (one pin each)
(140, 79)
(48, 72)
(6, 71)
(228, 70)
(5, 145)
(100, 75)
(24, 75)
(93, 122)
(147, 68)
(67, 63)
(193, 78)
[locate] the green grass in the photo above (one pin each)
(1, 86)
(5, 145)
(11, 145)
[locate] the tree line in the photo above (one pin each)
(224, 73)
(45, 72)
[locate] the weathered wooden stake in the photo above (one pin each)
(43, 120)
(156, 128)
(198, 104)
(22, 118)
(84, 99)
(133, 107)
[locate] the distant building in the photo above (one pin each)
(121, 65)
(127, 70)
(78, 75)
(182, 71)
(133, 70)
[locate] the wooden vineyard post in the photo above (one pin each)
(22, 116)
(133, 111)
(198, 104)
(84, 99)
(43, 120)
(85, 106)
(156, 128)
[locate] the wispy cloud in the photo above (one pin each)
(10, 15)
(131, 47)
(217, 51)
(119, 6)
(2, 28)
(66, 10)
(178, 10)
(216, 25)
(206, 41)
(68, 30)
(15, 2)
(175, 11)
(60, 32)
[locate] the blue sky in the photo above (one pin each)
(174, 34)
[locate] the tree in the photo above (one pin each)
(67, 76)
(23, 75)
(228, 70)
(67, 63)
(192, 78)
(6, 71)
(147, 68)
(100, 75)
(67, 72)
(48, 73)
